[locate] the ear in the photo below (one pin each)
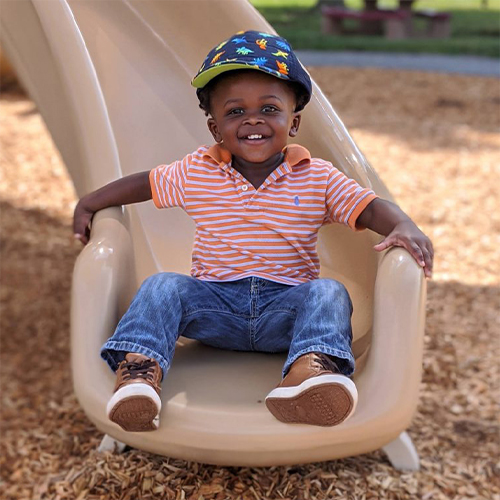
(214, 129)
(294, 127)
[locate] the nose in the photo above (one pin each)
(253, 119)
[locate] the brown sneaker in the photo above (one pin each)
(313, 392)
(135, 405)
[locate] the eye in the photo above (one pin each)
(269, 108)
(235, 111)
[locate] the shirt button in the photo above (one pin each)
(244, 187)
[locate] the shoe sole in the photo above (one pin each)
(135, 408)
(326, 401)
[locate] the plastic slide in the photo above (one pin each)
(111, 79)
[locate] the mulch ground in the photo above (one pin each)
(434, 140)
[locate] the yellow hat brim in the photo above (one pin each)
(205, 76)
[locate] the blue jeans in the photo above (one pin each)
(251, 314)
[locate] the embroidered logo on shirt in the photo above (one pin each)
(296, 201)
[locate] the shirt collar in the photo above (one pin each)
(294, 154)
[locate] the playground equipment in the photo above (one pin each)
(111, 79)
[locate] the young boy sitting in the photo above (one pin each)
(258, 205)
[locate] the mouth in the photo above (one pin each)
(253, 138)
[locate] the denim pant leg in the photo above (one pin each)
(311, 317)
(323, 324)
(168, 305)
(151, 324)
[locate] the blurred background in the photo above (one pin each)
(474, 25)
(432, 136)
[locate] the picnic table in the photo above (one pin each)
(393, 23)
(403, 4)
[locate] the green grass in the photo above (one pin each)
(419, 4)
(475, 30)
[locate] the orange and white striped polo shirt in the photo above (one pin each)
(270, 232)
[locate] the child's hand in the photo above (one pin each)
(133, 188)
(407, 235)
(82, 218)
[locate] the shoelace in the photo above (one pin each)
(327, 363)
(139, 369)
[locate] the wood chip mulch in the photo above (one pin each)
(434, 140)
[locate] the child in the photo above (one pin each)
(258, 205)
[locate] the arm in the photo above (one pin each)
(388, 219)
(131, 189)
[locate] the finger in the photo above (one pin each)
(413, 249)
(81, 238)
(78, 231)
(424, 259)
(430, 247)
(428, 262)
(417, 253)
(386, 243)
(431, 251)
(427, 272)
(428, 258)
(80, 226)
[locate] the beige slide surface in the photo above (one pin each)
(112, 81)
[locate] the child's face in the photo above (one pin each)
(251, 103)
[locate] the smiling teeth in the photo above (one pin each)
(254, 136)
